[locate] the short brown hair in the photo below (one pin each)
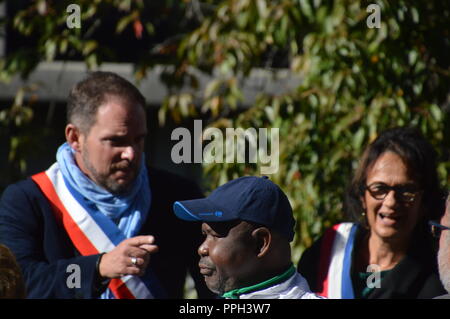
(88, 95)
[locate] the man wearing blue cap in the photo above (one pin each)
(248, 225)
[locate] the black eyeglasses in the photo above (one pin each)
(404, 193)
(436, 229)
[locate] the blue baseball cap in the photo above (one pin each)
(250, 198)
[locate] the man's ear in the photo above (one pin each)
(263, 238)
(73, 137)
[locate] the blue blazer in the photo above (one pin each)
(44, 251)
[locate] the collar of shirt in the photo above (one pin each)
(234, 294)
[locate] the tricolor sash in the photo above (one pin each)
(90, 231)
(334, 280)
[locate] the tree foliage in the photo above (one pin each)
(355, 80)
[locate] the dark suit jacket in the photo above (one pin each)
(44, 251)
(414, 277)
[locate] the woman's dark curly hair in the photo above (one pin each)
(418, 155)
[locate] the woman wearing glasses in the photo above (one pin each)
(387, 251)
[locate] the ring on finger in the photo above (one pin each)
(134, 261)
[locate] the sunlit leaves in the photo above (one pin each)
(356, 81)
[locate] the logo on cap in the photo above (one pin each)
(216, 213)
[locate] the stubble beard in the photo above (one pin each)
(104, 180)
(219, 286)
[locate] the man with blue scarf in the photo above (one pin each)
(97, 223)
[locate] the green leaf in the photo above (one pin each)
(125, 21)
(89, 47)
(50, 49)
(437, 113)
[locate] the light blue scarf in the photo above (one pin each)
(130, 209)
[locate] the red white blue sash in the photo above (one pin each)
(90, 231)
(334, 279)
